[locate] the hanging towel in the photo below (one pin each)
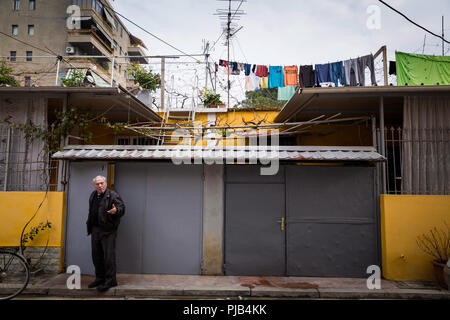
(276, 78)
(392, 67)
(306, 77)
(363, 62)
(285, 93)
(264, 83)
(249, 83)
(236, 70)
(290, 75)
(254, 81)
(351, 72)
(322, 73)
(247, 68)
(337, 68)
(262, 71)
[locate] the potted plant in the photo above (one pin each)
(145, 78)
(210, 99)
(436, 243)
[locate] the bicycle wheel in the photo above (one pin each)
(14, 275)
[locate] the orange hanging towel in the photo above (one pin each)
(290, 75)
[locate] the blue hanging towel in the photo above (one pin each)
(323, 73)
(276, 77)
(337, 69)
(247, 68)
(285, 93)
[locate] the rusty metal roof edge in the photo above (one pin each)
(171, 147)
(285, 112)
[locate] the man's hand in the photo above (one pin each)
(113, 210)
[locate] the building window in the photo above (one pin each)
(27, 81)
(15, 29)
(121, 51)
(31, 29)
(12, 56)
(16, 5)
(29, 55)
(114, 44)
(121, 31)
(32, 5)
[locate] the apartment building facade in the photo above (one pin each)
(35, 32)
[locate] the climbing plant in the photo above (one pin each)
(5, 76)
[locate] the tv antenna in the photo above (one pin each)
(230, 28)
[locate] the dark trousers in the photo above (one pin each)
(104, 255)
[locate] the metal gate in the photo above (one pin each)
(305, 221)
(254, 209)
(78, 244)
(331, 221)
(161, 231)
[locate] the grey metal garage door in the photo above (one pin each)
(331, 221)
(161, 231)
(77, 243)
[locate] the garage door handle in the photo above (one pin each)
(283, 223)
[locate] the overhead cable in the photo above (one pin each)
(416, 24)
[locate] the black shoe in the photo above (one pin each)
(104, 287)
(96, 283)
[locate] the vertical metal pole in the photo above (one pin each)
(206, 72)
(228, 54)
(8, 151)
(443, 44)
(385, 66)
(374, 132)
(215, 77)
(163, 81)
(112, 71)
(382, 148)
(57, 72)
(59, 178)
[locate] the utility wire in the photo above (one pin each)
(418, 25)
(23, 42)
(165, 42)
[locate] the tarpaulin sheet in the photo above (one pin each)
(415, 69)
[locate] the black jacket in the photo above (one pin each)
(107, 222)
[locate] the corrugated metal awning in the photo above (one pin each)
(241, 153)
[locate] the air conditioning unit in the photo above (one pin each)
(70, 50)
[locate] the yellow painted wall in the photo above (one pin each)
(18, 207)
(403, 218)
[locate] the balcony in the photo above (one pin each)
(136, 50)
(91, 38)
(137, 54)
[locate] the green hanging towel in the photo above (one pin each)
(285, 93)
(415, 69)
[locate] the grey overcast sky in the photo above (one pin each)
(288, 32)
(281, 32)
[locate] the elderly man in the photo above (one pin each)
(105, 209)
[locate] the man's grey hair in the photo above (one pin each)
(98, 177)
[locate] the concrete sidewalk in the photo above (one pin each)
(234, 287)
